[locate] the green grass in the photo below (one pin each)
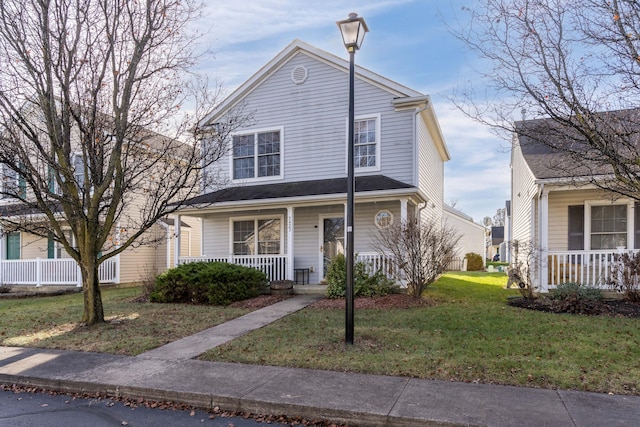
(132, 328)
(467, 334)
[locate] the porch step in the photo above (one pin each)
(309, 289)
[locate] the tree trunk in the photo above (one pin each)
(93, 312)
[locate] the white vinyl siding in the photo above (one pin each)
(312, 116)
(523, 199)
(431, 173)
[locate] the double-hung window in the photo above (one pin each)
(257, 154)
(366, 143)
(13, 184)
(608, 226)
(257, 236)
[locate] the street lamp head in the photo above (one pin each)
(353, 30)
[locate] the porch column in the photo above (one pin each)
(543, 232)
(403, 211)
(176, 230)
(290, 246)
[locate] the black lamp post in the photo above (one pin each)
(353, 30)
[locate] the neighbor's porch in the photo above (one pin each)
(53, 272)
(595, 268)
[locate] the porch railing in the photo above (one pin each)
(591, 268)
(376, 262)
(53, 272)
(274, 266)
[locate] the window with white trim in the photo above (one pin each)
(12, 182)
(366, 143)
(608, 226)
(257, 154)
(383, 218)
(257, 236)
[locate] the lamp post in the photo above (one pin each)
(353, 30)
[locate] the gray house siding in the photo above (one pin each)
(313, 117)
(431, 173)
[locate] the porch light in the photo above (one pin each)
(353, 30)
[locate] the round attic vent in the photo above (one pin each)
(299, 75)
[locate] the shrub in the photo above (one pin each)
(215, 283)
(364, 285)
(5, 289)
(474, 261)
(625, 276)
(573, 290)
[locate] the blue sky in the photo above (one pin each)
(408, 42)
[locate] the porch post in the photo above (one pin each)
(38, 273)
(544, 241)
(290, 245)
(403, 211)
(176, 230)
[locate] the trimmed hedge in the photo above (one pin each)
(474, 261)
(215, 283)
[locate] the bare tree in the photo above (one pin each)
(498, 218)
(84, 86)
(421, 249)
(574, 63)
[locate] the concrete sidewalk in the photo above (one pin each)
(168, 373)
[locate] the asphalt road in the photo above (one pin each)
(43, 409)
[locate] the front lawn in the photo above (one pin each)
(468, 333)
(132, 328)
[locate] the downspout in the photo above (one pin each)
(542, 240)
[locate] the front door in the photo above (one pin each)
(332, 235)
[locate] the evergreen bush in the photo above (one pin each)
(215, 283)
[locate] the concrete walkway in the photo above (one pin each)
(167, 373)
(194, 345)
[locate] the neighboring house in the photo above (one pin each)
(571, 231)
(497, 242)
(27, 259)
(472, 235)
(505, 252)
(283, 207)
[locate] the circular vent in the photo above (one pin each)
(299, 75)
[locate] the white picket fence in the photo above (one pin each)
(53, 272)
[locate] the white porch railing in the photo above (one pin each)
(376, 262)
(274, 266)
(591, 268)
(53, 272)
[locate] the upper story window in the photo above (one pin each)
(366, 143)
(12, 183)
(257, 154)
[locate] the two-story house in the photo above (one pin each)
(283, 206)
(27, 259)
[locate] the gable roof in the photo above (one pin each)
(298, 189)
(295, 48)
(497, 235)
(540, 140)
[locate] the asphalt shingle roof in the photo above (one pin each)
(298, 189)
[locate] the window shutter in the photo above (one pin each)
(576, 228)
(51, 247)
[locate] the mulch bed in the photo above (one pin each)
(259, 302)
(606, 307)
